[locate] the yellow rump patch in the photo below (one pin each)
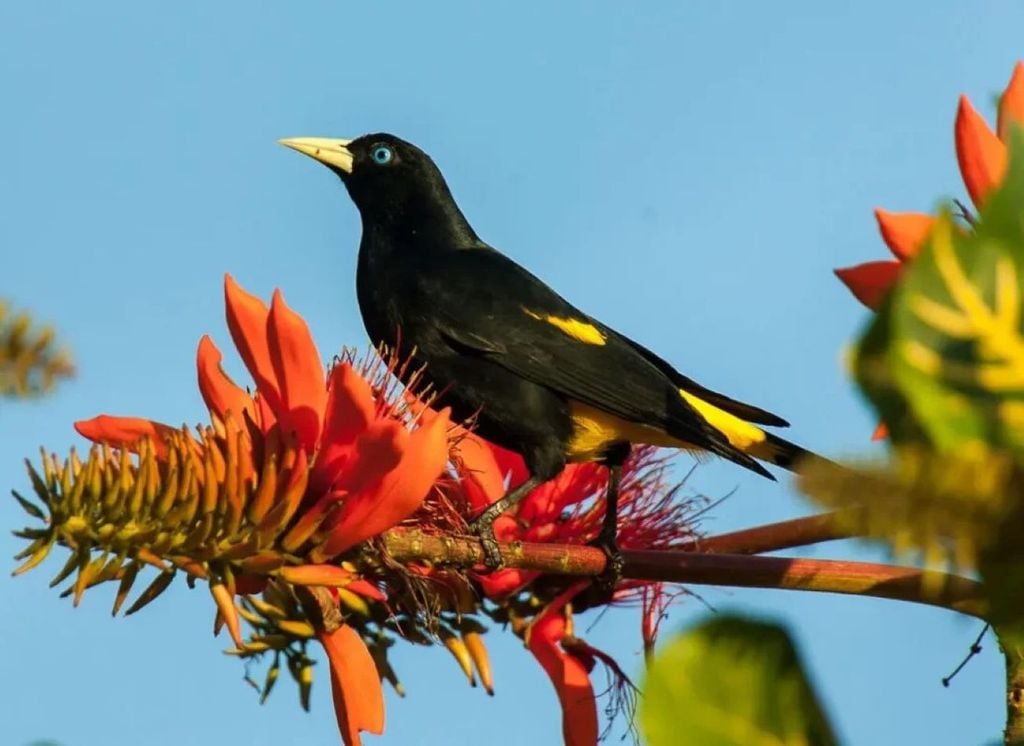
(594, 431)
(581, 331)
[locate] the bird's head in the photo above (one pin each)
(393, 183)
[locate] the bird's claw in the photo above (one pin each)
(484, 531)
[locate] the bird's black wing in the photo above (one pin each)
(744, 411)
(485, 304)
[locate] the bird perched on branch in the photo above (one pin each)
(541, 377)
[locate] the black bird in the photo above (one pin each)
(541, 377)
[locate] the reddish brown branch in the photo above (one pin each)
(829, 576)
(738, 570)
(772, 537)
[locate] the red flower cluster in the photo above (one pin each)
(292, 476)
(982, 156)
(569, 510)
(352, 468)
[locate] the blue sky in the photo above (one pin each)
(688, 172)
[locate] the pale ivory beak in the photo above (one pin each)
(333, 153)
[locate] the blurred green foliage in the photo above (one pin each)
(943, 365)
(731, 681)
(31, 363)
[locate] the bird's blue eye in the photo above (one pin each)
(382, 155)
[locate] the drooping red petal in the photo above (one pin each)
(220, 393)
(1011, 103)
(298, 371)
(869, 282)
(881, 432)
(247, 322)
(355, 685)
(569, 676)
(350, 410)
(399, 493)
(981, 154)
(125, 432)
(480, 466)
(904, 232)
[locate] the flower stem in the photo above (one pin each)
(772, 537)
(738, 570)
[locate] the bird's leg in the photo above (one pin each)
(606, 540)
(483, 526)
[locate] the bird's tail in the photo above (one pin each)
(750, 439)
(781, 452)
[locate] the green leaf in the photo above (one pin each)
(731, 681)
(946, 508)
(943, 361)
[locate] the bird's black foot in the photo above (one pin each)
(606, 582)
(483, 528)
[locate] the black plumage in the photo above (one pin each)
(541, 377)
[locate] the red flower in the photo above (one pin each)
(982, 157)
(569, 673)
(337, 465)
(569, 509)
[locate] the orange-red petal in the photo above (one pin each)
(298, 371)
(981, 154)
(871, 281)
(376, 452)
(125, 432)
(247, 322)
(366, 589)
(349, 412)
(399, 492)
(881, 432)
(480, 466)
(355, 685)
(1011, 103)
(569, 676)
(904, 232)
(502, 583)
(220, 393)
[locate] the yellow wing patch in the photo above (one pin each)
(740, 433)
(581, 331)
